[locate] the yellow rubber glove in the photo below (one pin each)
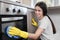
(15, 31)
(34, 23)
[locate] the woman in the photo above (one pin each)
(45, 28)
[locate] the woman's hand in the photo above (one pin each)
(17, 32)
(14, 31)
(34, 23)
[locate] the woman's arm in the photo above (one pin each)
(36, 34)
(15, 31)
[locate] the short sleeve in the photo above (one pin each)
(43, 24)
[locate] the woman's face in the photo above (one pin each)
(38, 12)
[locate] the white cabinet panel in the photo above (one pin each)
(51, 3)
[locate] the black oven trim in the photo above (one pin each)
(6, 16)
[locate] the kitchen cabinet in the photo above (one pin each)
(51, 3)
(25, 2)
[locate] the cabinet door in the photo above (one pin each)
(56, 2)
(26, 2)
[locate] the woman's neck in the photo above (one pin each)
(41, 17)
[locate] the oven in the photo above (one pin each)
(12, 14)
(15, 14)
(20, 21)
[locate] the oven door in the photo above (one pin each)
(19, 21)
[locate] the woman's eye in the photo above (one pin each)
(39, 10)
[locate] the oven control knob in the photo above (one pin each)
(14, 10)
(19, 11)
(7, 9)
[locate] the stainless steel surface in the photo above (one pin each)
(11, 8)
(7, 8)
